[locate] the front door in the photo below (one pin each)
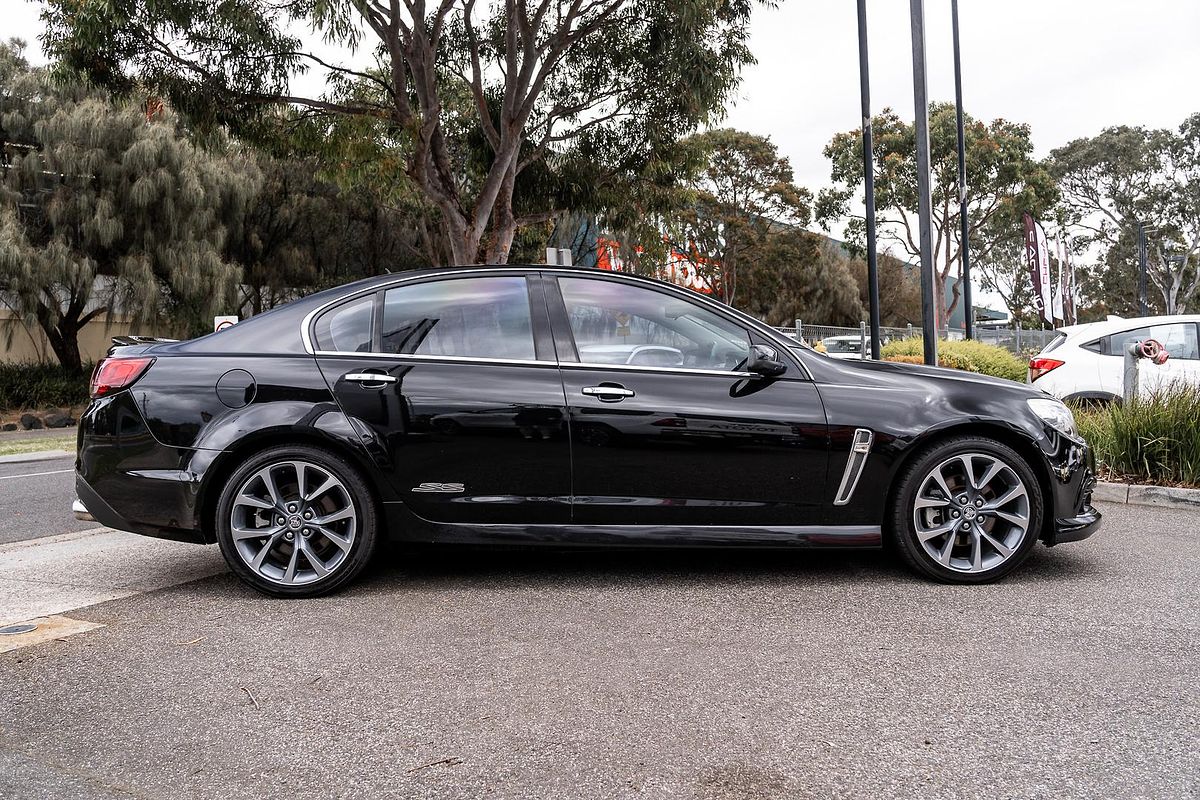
(666, 428)
(454, 382)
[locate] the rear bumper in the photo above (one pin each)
(91, 507)
(126, 479)
(1075, 528)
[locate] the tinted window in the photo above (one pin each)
(1095, 346)
(618, 324)
(1179, 338)
(347, 328)
(470, 317)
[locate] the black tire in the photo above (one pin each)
(900, 518)
(355, 558)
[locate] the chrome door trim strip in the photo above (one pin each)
(640, 368)
(860, 448)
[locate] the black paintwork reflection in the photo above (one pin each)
(497, 429)
(718, 454)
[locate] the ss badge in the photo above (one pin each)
(451, 488)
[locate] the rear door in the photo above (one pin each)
(453, 383)
(665, 427)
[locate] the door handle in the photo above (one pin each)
(606, 393)
(369, 377)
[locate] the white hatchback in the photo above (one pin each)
(1086, 362)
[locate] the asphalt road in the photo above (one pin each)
(719, 675)
(35, 499)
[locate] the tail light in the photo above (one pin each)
(114, 374)
(1040, 366)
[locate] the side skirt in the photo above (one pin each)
(405, 526)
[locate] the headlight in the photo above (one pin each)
(1055, 414)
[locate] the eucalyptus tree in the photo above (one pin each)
(1126, 177)
(105, 207)
(540, 81)
(1004, 180)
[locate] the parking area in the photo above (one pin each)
(709, 675)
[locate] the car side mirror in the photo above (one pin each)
(765, 361)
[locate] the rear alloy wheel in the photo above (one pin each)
(296, 522)
(969, 511)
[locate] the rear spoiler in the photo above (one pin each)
(128, 341)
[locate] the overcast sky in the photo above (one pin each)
(1068, 68)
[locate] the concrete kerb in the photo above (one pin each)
(1143, 495)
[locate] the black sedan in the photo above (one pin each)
(562, 407)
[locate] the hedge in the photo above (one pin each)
(1155, 439)
(40, 386)
(964, 354)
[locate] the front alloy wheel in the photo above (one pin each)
(971, 509)
(296, 522)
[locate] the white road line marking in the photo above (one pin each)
(35, 474)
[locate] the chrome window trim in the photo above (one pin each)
(528, 362)
(860, 449)
(524, 271)
(524, 362)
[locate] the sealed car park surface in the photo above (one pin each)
(707, 675)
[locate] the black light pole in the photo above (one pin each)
(924, 203)
(869, 173)
(1143, 256)
(964, 246)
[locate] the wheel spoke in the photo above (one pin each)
(1015, 519)
(340, 514)
(941, 482)
(990, 475)
(313, 559)
(240, 533)
(257, 563)
(968, 470)
(1001, 548)
(299, 467)
(343, 542)
(930, 502)
(933, 533)
(947, 548)
(976, 548)
(289, 574)
(269, 481)
(245, 499)
(329, 483)
(1007, 497)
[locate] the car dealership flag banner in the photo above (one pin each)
(1037, 259)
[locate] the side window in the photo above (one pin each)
(614, 323)
(469, 317)
(1179, 338)
(347, 328)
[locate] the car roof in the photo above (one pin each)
(1118, 324)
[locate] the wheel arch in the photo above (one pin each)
(218, 472)
(1001, 432)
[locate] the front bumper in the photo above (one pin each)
(1075, 528)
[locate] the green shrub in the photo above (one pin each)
(37, 386)
(962, 354)
(1150, 440)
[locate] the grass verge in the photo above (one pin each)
(38, 444)
(1151, 440)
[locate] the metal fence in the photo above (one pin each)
(846, 339)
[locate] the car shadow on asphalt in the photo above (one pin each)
(538, 567)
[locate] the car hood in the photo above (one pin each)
(944, 376)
